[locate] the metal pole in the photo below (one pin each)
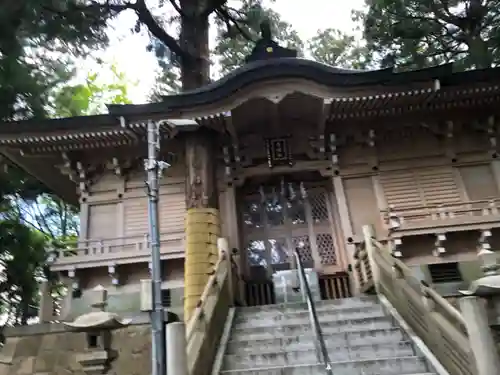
(153, 168)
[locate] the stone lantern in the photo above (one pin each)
(479, 301)
(97, 326)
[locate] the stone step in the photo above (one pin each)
(382, 366)
(327, 327)
(345, 303)
(277, 318)
(308, 355)
(350, 337)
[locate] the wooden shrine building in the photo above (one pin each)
(283, 153)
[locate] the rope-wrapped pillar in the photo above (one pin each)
(202, 218)
(202, 232)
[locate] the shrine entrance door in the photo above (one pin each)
(282, 214)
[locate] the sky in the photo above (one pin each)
(128, 51)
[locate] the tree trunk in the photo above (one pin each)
(201, 191)
(195, 72)
(202, 219)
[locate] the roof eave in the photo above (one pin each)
(266, 70)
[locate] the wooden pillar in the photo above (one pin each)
(495, 166)
(229, 216)
(345, 223)
(84, 218)
(120, 210)
(203, 219)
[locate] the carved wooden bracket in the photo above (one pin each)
(450, 141)
(396, 247)
(198, 197)
(392, 219)
(75, 284)
(232, 161)
(332, 148)
(439, 248)
(324, 115)
(317, 147)
(229, 127)
(82, 175)
(493, 135)
(371, 142)
(484, 240)
(228, 165)
(113, 274)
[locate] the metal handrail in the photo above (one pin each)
(304, 286)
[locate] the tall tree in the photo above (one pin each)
(233, 44)
(419, 33)
(186, 47)
(22, 248)
(33, 220)
(336, 48)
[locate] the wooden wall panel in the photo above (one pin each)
(171, 204)
(438, 185)
(106, 183)
(102, 221)
(479, 182)
(409, 188)
(136, 216)
(362, 203)
(400, 188)
(172, 210)
(406, 142)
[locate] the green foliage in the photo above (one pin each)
(22, 260)
(91, 97)
(419, 33)
(38, 43)
(339, 49)
(31, 220)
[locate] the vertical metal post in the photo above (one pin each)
(153, 168)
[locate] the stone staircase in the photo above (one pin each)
(361, 339)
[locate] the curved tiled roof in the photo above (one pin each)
(283, 68)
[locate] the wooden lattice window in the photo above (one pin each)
(280, 218)
(445, 273)
(166, 298)
(326, 248)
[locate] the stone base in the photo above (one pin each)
(53, 349)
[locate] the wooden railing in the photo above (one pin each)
(362, 269)
(440, 325)
(414, 218)
(205, 327)
(98, 250)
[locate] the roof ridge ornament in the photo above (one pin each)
(266, 48)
